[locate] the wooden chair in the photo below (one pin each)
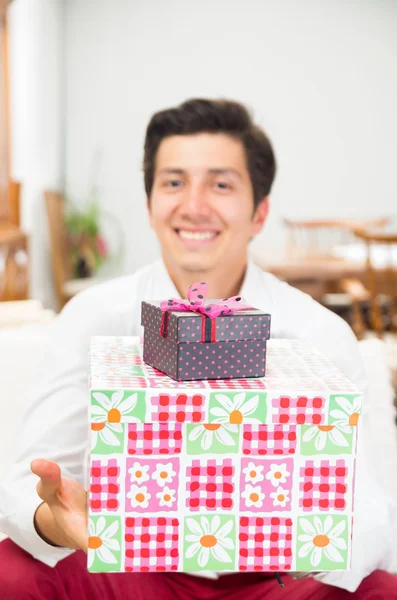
(316, 239)
(65, 285)
(380, 291)
(14, 257)
(312, 243)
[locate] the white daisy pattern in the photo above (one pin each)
(114, 409)
(139, 496)
(211, 432)
(280, 497)
(101, 542)
(253, 496)
(253, 473)
(322, 433)
(138, 473)
(278, 473)
(163, 474)
(235, 412)
(348, 415)
(166, 497)
(322, 539)
(209, 540)
(106, 433)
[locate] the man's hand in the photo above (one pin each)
(62, 518)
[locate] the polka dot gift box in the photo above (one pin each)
(251, 474)
(193, 339)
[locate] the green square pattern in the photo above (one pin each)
(237, 407)
(209, 543)
(322, 543)
(212, 438)
(340, 433)
(107, 438)
(104, 544)
(118, 407)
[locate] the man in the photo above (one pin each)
(208, 173)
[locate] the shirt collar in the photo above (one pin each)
(164, 286)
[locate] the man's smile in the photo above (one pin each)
(196, 236)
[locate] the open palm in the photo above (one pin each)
(67, 501)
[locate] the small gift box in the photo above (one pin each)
(193, 340)
(222, 475)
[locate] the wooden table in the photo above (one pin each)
(321, 275)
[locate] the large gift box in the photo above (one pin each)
(221, 475)
(193, 339)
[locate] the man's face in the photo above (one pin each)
(201, 206)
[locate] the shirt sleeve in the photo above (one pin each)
(56, 425)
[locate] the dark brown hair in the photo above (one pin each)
(213, 116)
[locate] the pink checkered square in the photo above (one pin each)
(236, 384)
(168, 383)
(265, 544)
(299, 411)
(120, 359)
(104, 485)
(125, 381)
(151, 544)
(178, 408)
(210, 484)
(154, 438)
(269, 439)
(323, 485)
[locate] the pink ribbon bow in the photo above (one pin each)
(196, 303)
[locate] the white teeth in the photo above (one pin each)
(195, 235)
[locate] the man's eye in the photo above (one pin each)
(222, 185)
(173, 183)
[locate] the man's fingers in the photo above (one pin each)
(50, 478)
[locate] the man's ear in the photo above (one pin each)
(149, 212)
(260, 215)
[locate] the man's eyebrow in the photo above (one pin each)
(218, 171)
(173, 170)
(225, 171)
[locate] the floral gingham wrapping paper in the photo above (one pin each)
(220, 475)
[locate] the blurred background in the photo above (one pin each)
(80, 80)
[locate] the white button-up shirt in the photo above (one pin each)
(57, 424)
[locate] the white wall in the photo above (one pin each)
(36, 79)
(320, 76)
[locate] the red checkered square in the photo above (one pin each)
(154, 438)
(125, 381)
(299, 411)
(104, 485)
(168, 383)
(236, 384)
(323, 485)
(269, 439)
(151, 544)
(178, 407)
(265, 544)
(210, 485)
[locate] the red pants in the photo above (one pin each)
(24, 578)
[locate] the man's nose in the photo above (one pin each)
(195, 203)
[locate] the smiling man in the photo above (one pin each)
(208, 174)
